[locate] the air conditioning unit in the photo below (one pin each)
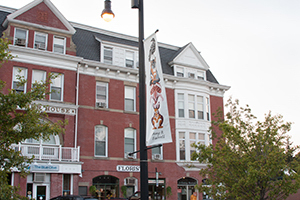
(129, 156)
(40, 46)
(101, 104)
(20, 42)
(130, 181)
(39, 177)
(156, 157)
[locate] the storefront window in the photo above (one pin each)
(107, 186)
(185, 188)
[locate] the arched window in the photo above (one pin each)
(108, 186)
(186, 187)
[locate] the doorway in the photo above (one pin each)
(185, 188)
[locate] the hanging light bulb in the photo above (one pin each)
(107, 14)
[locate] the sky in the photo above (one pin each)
(251, 45)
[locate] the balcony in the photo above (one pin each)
(48, 152)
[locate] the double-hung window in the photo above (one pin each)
(108, 55)
(157, 153)
(59, 44)
(56, 87)
(40, 41)
(20, 37)
(38, 77)
(180, 98)
(191, 99)
(18, 75)
(200, 107)
(129, 141)
(180, 71)
(101, 94)
(100, 140)
(129, 59)
(207, 109)
(129, 98)
(181, 145)
(200, 75)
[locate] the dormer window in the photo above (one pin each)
(20, 37)
(40, 41)
(191, 75)
(200, 75)
(129, 59)
(108, 55)
(179, 71)
(59, 44)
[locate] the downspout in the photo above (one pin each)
(76, 116)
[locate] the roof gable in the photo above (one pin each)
(189, 56)
(41, 14)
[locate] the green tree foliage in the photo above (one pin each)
(20, 119)
(251, 159)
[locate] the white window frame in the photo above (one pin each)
(192, 103)
(102, 84)
(187, 141)
(35, 80)
(160, 152)
(129, 58)
(111, 49)
(178, 104)
(180, 71)
(15, 73)
(200, 104)
(26, 37)
(201, 75)
(106, 140)
(207, 106)
(134, 141)
(127, 97)
(37, 45)
(64, 44)
(61, 86)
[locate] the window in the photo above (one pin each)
(108, 55)
(82, 190)
(189, 138)
(181, 145)
(129, 141)
(207, 109)
(179, 72)
(157, 153)
(191, 99)
(66, 184)
(180, 105)
(200, 75)
(20, 37)
(40, 41)
(100, 141)
(56, 87)
(59, 44)
(18, 73)
(191, 75)
(38, 76)
(129, 98)
(101, 94)
(200, 107)
(129, 59)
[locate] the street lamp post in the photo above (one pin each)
(142, 94)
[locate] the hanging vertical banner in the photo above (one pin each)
(158, 124)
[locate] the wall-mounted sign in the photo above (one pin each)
(128, 168)
(40, 167)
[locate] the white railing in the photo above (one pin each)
(47, 152)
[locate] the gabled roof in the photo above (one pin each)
(189, 55)
(41, 14)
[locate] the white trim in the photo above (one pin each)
(46, 40)
(64, 45)
(106, 141)
(14, 78)
(26, 39)
(134, 98)
(61, 86)
(134, 142)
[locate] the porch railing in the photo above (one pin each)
(47, 152)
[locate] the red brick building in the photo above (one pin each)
(97, 92)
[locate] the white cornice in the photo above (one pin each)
(7, 9)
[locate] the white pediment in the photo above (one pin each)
(189, 56)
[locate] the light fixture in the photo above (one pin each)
(107, 14)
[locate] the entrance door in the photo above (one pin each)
(185, 188)
(41, 192)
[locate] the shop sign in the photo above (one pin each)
(128, 168)
(44, 167)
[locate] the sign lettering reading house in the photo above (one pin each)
(128, 168)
